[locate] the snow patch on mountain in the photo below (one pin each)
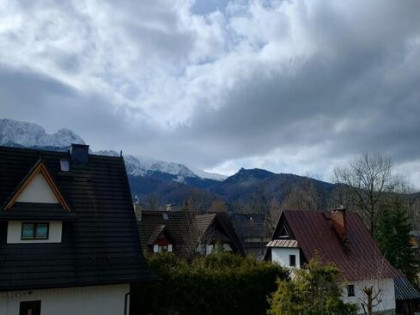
(140, 165)
(29, 134)
(19, 133)
(214, 176)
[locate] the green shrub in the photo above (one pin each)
(220, 283)
(315, 290)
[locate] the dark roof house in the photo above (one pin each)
(252, 233)
(183, 232)
(66, 223)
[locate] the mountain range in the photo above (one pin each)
(168, 182)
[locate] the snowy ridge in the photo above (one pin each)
(29, 134)
(25, 134)
(139, 166)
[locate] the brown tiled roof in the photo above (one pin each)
(283, 243)
(155, 234)
(178, 224)
(315, 234)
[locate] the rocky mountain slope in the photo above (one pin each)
(166, 182)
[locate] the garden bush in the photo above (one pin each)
(221, 283)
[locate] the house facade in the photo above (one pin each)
(68, 236)
(340, 238)
(186, 233)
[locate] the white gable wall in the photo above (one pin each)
(104, 300)
(387, 295)
(38, 190)
(281, 256)
(14, 232)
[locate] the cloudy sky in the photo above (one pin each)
(290, 86)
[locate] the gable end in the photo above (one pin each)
(38, 176)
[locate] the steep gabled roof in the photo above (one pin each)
(38, 168)
(100, 247)
(181, 225)
(314, 233)
(158, 231)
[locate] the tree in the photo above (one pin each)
(393, 236)
(368, 178)
(302, 196)
(316, 289)
(261, 203)
(218, 206)
(153, 202)
(372, 300)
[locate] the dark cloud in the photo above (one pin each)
(289, 85)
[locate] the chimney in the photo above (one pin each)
(339, 220)
(138, 211)
(79, 154)
(169, 207)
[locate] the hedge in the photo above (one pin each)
(220, 283)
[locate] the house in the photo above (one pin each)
(186, 233)
(343, 239)
(69, 242)
(252, 234)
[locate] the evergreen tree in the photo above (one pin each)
(393, 236)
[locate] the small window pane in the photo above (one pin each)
(292, 260)
(35, 231)
(350, 290)
(30, 308)
(27, 230)
(42, 231)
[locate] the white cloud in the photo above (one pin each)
(295, 85)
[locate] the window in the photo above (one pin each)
(30, 308)
(292, 260)
(162, 248)
(64, 165)
(35, 231)
(283, 233)
(350, 290)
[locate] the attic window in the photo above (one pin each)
(64, 165)
(165, 216)
(283, 233)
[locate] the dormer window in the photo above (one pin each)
(64, 165)
(35, 231)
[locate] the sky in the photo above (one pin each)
(290, 86)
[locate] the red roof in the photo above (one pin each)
(314, 232)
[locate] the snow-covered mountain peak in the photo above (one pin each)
(140, 165)
(30, 134)
(19, 133)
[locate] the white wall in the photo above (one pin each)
(101, 300)
(387, 294)
(281, 256)
(158, 248)
(211, 247)
(14, 232)
(38, 190)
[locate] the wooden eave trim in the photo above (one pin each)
(40, 168)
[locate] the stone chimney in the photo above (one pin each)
(169, 207)
(138, 211)
(339, 220)
(79, 154)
